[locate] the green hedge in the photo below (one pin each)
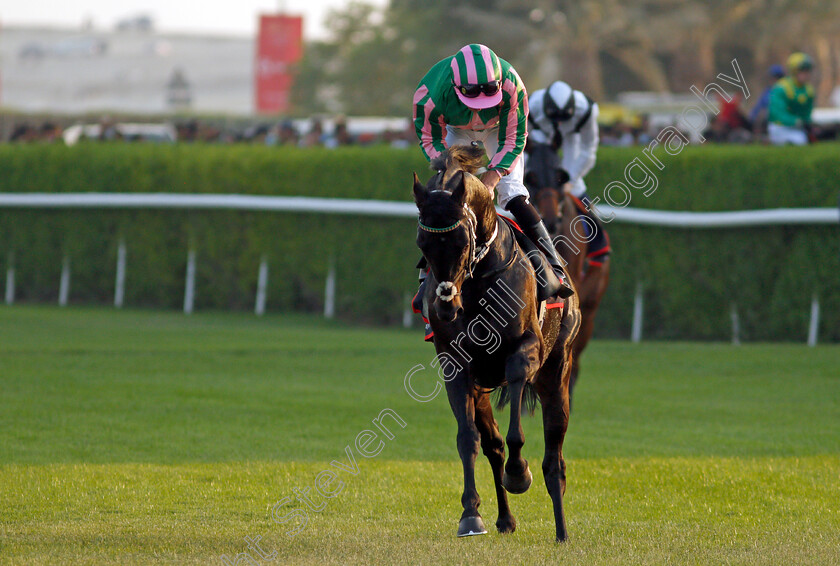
(690, 277)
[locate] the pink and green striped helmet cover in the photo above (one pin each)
(477, 64)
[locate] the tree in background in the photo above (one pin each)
(374, 57)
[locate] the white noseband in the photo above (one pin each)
(446, 291)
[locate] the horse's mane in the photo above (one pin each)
(467, 158)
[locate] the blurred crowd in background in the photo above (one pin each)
(781, 114)
(734, 124)
(638, 60)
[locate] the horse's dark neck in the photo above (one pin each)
(572, 254)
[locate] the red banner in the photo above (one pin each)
(279, 46)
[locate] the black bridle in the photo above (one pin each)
(477, 251)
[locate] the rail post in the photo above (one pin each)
(262, 287)
(10, 279)
(189, 284)
(119, 285)
(736, 325)
(638, 314)
(814, 323)
(64, 284)
(329, 291)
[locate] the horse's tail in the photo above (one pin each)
(529, 398)
(467, 158)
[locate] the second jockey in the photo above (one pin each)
(565, 119)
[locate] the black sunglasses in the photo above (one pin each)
(554, 112)
(472, 91)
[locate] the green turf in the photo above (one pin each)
(143, 437)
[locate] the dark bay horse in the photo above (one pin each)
(482, 296)
(590, 277)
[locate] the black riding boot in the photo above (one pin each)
(529, 219)
(540, 236)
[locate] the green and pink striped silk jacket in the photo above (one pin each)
(437, 106)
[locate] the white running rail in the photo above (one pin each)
(363, 207)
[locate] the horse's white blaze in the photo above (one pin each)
(446, 291)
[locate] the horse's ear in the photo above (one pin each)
(420, 192)
(458, 187)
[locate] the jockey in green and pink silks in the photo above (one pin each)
(476, 97)
(445, 113)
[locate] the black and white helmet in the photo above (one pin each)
(559, 102)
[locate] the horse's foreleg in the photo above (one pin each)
(463, 407)
(493, 446)
(519, 370)
(555, 422)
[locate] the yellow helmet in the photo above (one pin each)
(800, 62)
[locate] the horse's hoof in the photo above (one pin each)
(471, 526)
(517, 484)
(562, 538)
(506, 525)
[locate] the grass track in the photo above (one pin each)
(141, 437)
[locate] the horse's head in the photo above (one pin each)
(454, 211)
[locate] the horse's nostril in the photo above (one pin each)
(459, 312)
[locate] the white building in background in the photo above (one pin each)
(132, 71)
